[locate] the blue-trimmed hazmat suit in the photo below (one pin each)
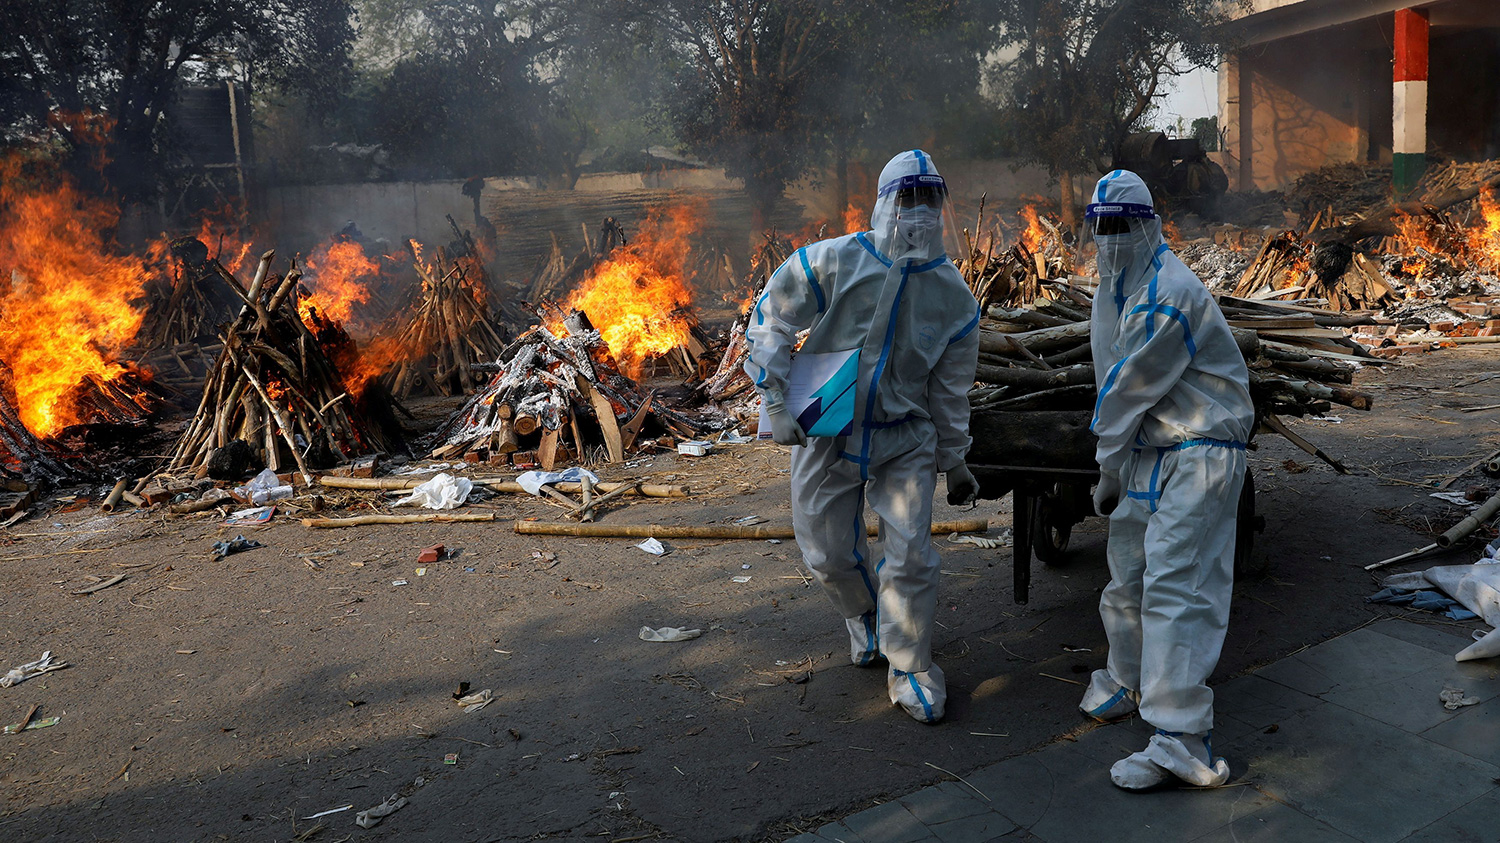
(893, 294)
(1173, 416)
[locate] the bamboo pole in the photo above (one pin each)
(112, 500)
(423, 518)
(713, 531)
(1476, 519)
(649, 490)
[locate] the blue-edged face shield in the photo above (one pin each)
(913, 213)
(1124, 223)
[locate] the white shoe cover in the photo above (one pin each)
(921, 695)
(1485, 646)
(1106, 699)
(864, 640)
(1164, 757)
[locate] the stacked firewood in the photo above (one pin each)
(189, 304)
(448, 331)
(1014, 275)
(729, 379)
(556, 395)
(21, 453)
(1039, 358)
(1290, 265)
(275, 388)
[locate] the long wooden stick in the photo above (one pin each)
(424, 518)
(649, 490)
(1280, 427)
(714, 531)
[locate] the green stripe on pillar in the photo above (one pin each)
(1406, 171)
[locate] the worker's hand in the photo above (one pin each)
(963, 489)
(1107, 493)
(784, 428)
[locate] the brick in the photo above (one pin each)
(430, 555)
(1398, 350)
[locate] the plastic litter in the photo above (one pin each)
(1486, 645)
(1454, 699)
(398, 582)
(371, 817)
(669, 634)
(441, 492)
(450, 758)
(264, 488)
(1455, 498)
(697, 448)
(475, 701)
(17, 728)
(31, 670)
(234, 545)
(653, 547)
(740, 579)
(1429, 601)
(533, 481)
(1005, 539)
(1477, 587)
(733, 437)
(330, 811)
(255, 515)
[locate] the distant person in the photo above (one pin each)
(891, 305)
(1172, 418)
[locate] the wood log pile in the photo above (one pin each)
(447, 332)
(1039, 358)
(729, 386)
(275, 388)
(189, 304)
(21, 453)
(556, 395)
(1014, 275)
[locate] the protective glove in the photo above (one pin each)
(784, 427)
(963, 489)
(1107, 493)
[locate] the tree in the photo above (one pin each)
(1206, 130)
(1080, 74)
(126, 60)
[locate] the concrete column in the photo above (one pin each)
(1409, 100)
(1229, 120)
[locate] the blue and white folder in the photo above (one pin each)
(820, 393)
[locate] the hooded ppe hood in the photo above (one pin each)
(918, 232)
(1125, 258)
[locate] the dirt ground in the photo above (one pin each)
(229, 700)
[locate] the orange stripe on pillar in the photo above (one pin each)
(1411, 45)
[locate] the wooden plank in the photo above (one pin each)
(609, 426)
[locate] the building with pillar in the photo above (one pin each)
(1316, 82)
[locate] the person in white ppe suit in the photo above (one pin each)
(892, 300)
(1173, 416)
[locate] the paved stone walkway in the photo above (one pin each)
(1344, 741)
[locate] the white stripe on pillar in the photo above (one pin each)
(1410, 113)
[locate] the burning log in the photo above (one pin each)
(1016, 275)
(728, 379)
(448, 332)
(21, 453)
(275, 388)
(548, 389)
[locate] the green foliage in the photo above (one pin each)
(1206, 130)
(1080, 74)
(126, 61)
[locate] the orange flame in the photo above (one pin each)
(67, 307)
(1484, 239)
(856, 219)
(1171, 232)
(335, 277)
(639, 298)
(1032, 237)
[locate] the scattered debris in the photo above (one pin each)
(1454, 699)
(653, 547)
(337, 810)
(475, 701)
(441, 492)
(222, 549)
(432, 554)
(99, 586)
(669, 634)
(31, 670)
(371, 817)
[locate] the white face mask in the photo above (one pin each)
(917, 225)
(1115, 252)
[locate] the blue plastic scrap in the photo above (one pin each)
(1429, 601)
(234, 545)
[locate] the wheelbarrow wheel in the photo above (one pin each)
(1247, 524)
(1051, 528)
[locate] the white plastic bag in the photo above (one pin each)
(533, 481)
(669, 634)
(264, 488)
(441, 492)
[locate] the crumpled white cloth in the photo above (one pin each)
(1477, 587)
(669, 634)
(31, 670)
(533, 481)
(1163, 758)
(371, 817)
(441, 492)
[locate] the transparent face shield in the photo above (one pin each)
(919, 222)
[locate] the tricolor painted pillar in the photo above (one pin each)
(1409, 98)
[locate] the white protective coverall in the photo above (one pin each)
(1173, 416)
(914, 321)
